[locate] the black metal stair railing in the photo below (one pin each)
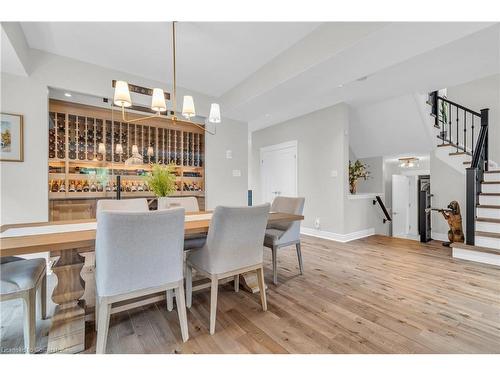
(456, 125)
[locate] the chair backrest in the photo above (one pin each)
(138, 250)
(190, 204)
(131, 205)
(235, 238)
(289, 205)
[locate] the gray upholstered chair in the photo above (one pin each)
(234, 246)
(190, 204)
(284, 234)
(138, 253)
(21, 278)
(132, 205)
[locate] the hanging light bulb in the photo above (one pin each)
(214, 116)
(188, 107)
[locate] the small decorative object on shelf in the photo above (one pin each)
(357, 170)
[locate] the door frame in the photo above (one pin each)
(276, 147)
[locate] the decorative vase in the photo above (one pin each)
(352, 187)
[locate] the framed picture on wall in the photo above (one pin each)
(11, 129)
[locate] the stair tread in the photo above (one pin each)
(480, 249)
(490, 182)
(488, 220)
(460, 153)
(492, 171)
(490, 194)
(488, 234)
(488, 206)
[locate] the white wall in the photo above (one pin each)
(323, 147)
(322, 143)
(28, 96)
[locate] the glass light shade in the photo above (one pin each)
(188, 107)
(158, 101)
(101, 149)
(119, 149)
(135, 150)
(122, 94)
(214, 116)
(150, 151)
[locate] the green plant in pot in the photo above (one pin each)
(161, 181)
(357, 170)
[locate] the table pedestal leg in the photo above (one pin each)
(249, 282)
(67, 332)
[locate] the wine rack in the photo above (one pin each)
(84, 159)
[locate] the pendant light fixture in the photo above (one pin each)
(123, 99)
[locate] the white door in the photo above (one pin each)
(400, 205)
(278, 165)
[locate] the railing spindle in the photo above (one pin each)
(449, 123)
(465, 131)
(457, 131)
(472, 140)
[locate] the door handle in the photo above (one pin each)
(276, 192)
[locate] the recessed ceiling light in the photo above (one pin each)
(67, 94)
(268, 115)
(340, 86)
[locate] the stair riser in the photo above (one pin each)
(489, 213)
(491, 200)
(492, 177)
(493, 243)
(483, 226)
(476, 256)
(490, 188)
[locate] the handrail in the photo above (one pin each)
(384, 209)
(459, 106)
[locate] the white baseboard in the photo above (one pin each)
(336, 236)
(440, 236)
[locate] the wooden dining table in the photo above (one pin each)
(71, 246)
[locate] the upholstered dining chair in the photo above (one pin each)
(190, 204)
(138, 253)
(21, 278)
(285, 234)
(132, 205)
(191, 241)
(233, 247)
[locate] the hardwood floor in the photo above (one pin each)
(374, 295)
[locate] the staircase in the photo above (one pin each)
(463, 135)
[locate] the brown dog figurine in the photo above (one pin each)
(454, 218)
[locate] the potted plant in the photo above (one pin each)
(357, 170)
(161, 181)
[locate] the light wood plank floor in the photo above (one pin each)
(374, 295)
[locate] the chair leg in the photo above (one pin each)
(170, 300)
(102, 328)
(43, 296)
(213, 303)
(275, 264)
(181, 310)
(299, 256)
(236, 283)
(262, 288)
(189, 286)
(29, 320)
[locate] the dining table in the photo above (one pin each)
(71, 246)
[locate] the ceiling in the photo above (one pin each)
(266, 73)
(212, 57)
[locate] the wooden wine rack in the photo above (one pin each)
(75, 132)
